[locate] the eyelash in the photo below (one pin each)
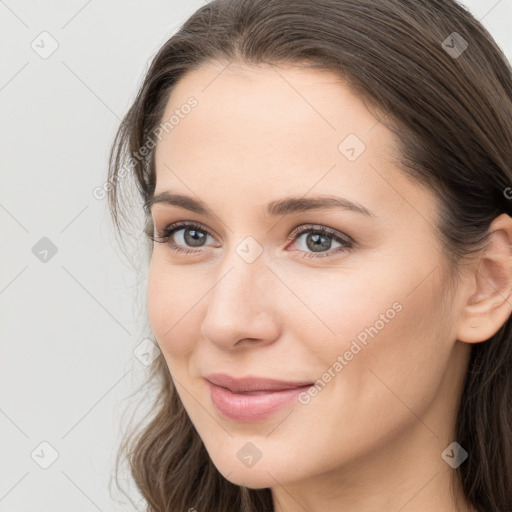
(346, 243)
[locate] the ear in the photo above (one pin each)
(489, 303)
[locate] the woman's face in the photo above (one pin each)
(359, 310)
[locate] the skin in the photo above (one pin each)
(372, 438)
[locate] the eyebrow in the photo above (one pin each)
(284, 206)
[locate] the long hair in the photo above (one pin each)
(446, 89)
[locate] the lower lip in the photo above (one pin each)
(244, 407)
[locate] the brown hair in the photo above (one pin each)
(452, 115)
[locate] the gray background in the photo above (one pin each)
(70, 321)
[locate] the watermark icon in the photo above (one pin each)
(455, 45)
(354, 349)
(351, 147)
(146, 351)
(508, 192)
(44, 45)
(44, 455)
(249, 454)
(144, 151)
(249, 249)
(454, 455)
(44, 250)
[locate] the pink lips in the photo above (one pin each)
(251, 398)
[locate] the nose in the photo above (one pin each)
(242, 307)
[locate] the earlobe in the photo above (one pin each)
(489, 301)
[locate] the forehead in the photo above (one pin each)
(271, 104)
(257, 132)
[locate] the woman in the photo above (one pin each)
(325, 193)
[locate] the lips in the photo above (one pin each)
(250, 399)
(250, 384)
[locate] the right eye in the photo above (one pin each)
(181, 236)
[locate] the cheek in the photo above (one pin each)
(173, 299)
(387, 369)
(394, 351)
(389, 333)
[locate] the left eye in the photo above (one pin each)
(320, 239)
(184, 237)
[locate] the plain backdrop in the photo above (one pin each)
(72, 334)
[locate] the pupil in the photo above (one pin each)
(195, 238)
(319, 242)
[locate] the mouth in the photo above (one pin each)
(253, 384)
(252, 399)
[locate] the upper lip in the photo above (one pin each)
(250, 383)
